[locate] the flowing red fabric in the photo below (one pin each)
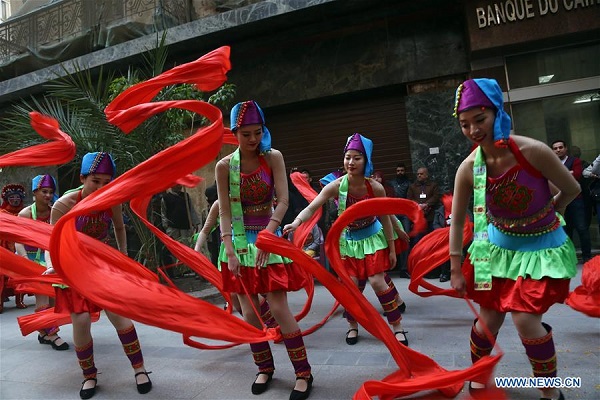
(417, 372)
(43, 319)
(59, 151)
(430, 252)
(112, 280)
(586, 297)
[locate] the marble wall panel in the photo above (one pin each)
(432, 126)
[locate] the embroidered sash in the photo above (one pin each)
(237, 215)
(480, 249)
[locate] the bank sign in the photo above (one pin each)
(495, 24)
(508, 11)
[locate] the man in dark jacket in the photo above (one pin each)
(575, 211)
(426, 193)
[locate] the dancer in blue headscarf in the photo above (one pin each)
(366, 245)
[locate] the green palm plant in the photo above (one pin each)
(77, 101)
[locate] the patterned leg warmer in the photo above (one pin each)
(266, 315)
(263, 358)
(131, 346)
(85, 355)
(480, 345)
(541, 353)
(387, 298)
(50, 330)
(391, 285)
(297, 353)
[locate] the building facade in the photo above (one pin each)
(324, 69)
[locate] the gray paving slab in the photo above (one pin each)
(437, 326)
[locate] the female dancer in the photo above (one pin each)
(211, 224)
(365, 248)
(44, 193)
(13, 195)
(97, 170)
(522, 258)
(246, 182)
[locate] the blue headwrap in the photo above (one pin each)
(330, 177)
(250, 113)
(42, 181)
(493, 92)
(364, 144)
(98, 163)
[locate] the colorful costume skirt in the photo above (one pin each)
(365, 251)
(529, 273)
(280, 273)
(69, 301)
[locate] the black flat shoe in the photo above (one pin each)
(258, 388)
(444, 278)
(403, 332)
(402, 307)
(560, 396)
(88, 393)
(298, 395)
(59, 347)
(145, 387)
(352, 340)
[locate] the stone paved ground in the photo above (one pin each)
(437, 326)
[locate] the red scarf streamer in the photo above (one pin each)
(586, 297)
(416, 372)
(61, 150)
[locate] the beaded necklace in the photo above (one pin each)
(480, 249)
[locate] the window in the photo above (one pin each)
(574, 118)
(4, 10)
(551, 66)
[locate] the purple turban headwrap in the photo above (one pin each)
(98, 163)
(45, 181)
(364, 145)
(483, 92)
(250, 113)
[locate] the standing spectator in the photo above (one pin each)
(13, 195)
(588, 203)
(592, 173)
(575, 212)
(401, 183)
(426, 193)
(400, 187)
(307, 175)
(179, 219)
(378, 176)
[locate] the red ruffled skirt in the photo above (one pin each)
(69, 301)
(372, 264)
(286, 277)
(523, 295)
